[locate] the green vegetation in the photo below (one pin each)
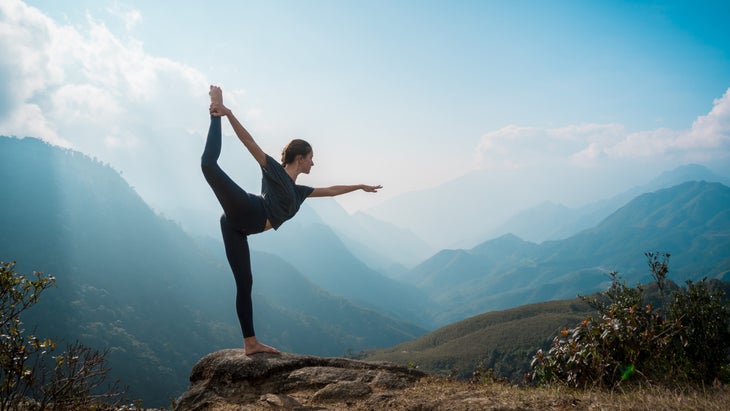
(633, 335)
(503, 341)
(30, 377)
(635, 341)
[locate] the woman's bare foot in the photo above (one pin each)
(217, 109)
(216, 95)
(253, 346)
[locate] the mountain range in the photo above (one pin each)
(324, 259)
(691, 221)
(484, 204)
(551, 221)
(508, 271)
(326, 283)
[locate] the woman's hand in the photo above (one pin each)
(370, 189)
(218, 110)
(339, 190)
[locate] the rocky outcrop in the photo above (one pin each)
(230, 380)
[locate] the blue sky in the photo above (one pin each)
(408, 94)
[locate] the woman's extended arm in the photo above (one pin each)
(337, 190)
(243, 135)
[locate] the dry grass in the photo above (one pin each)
(444, 394)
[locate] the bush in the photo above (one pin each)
(30, 377)
(703, 338)
(635, 341)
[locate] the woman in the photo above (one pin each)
(245, 214)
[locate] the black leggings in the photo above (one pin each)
(243, 214)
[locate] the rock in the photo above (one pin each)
(343, 389)
(231, 380)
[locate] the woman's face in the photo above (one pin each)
(306, 163)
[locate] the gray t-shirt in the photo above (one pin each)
(282, 197)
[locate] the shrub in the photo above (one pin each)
(633, 340)
(703, 338)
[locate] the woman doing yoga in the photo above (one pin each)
(245, 214)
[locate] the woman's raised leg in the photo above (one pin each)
(225, 189)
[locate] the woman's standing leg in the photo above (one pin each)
(239, 258)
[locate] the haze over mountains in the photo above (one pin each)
(550, 221)
(327, 283)
(531, 204)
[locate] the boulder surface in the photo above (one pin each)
(231, 380)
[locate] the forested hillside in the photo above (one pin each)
(502, 344)
(504, 341)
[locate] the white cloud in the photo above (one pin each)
(515, 147)
(24, 67)
(86, 88)
(708, 139)
(587, 145)
(28, 121)
(72, 103)
(66, 71)
(711, 131)
(643, 144)
(587, 157)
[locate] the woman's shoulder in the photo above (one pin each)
(274, 172)
(270, 160)
(273, 166)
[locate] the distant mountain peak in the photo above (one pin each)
(695, 203)
(687, 172)
(505, 239)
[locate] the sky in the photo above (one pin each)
(407, 94)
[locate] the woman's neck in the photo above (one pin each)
(292, 170)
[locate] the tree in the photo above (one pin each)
(30, 377)
(21, 355)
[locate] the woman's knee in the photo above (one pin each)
(211, 171)
(224, 221)
(208, 164)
